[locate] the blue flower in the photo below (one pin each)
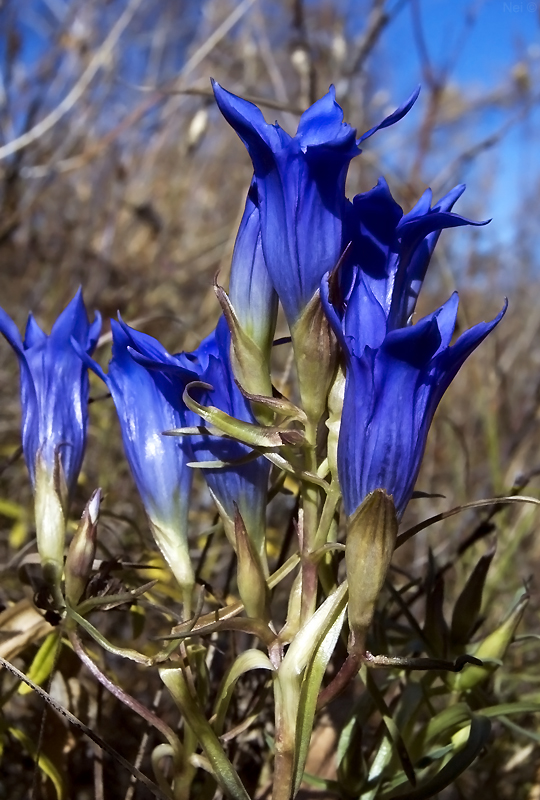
(388, 256)
(391, 394)
(54, 401)
(146, 404)
(241, 485)
(301, 189)
(54, 390)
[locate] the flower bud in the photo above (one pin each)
(315, 356)
(371, 538)
(82, 551)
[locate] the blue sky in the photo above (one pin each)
(503, 35)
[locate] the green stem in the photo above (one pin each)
(310, 524)
(286, 711)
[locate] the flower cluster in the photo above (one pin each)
(351, 267)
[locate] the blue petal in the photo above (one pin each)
(73, 321)
(450, 360)
(365, 318)
(398, 114)
(33, 335)
(446, 203)
(322, 125)
(260, 138)
(94, 333)
(446, 320)
(251, 291)
(158, 462)
(11, 333)
(423, 206)
(415, 345)
(29, 400)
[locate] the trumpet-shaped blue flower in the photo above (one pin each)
(146, 404)
(301, 189)
(234, 484)
(54, 400)
(54, 389)
(391, 394)
(388, 256)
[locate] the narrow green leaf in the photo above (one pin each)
(513, 726)
(250, 659)
(309, 693)
(469, 602)
(492, 501)
(43, 663)
(522, 707)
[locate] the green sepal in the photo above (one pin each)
(250, 576)
(50, 501)
(333, 423)
(251, 364)
(371, 538)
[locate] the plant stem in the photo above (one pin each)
(311, 510)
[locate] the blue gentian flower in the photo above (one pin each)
(232, 485)
(388, 256)
(146, 404)
(54, 389)
(391, 394)
(301, 189)
(54, 400)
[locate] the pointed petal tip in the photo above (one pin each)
(395, 116)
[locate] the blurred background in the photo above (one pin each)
(117, 172)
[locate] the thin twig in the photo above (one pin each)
(97, 61)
